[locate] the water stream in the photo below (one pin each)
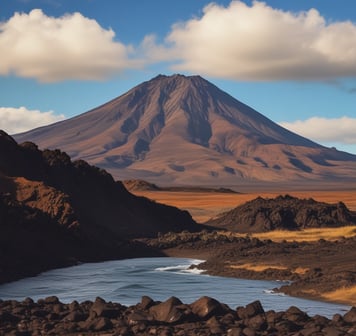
(126, 281)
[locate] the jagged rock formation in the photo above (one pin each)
(54, 212)
(141, 185)
(184, 130)
(138, 185)
(284, 213)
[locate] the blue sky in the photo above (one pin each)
(293, 61)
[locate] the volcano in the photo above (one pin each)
(184, 130)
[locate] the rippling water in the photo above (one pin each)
(126, 281)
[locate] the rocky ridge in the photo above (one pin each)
(283, 213)
(141, 185)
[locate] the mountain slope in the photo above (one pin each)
(184, 130)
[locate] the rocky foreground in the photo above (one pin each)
(206, 316)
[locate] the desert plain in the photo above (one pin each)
(203, 205)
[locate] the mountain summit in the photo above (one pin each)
(184, 130)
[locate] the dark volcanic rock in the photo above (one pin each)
(206, 307)
(350, 316)
(284, 213)
(29, 318)
(169, 311)
(251, 310)
(100, 308)
(48, 202)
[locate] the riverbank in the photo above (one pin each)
(319, 262)
(321, 270)
(205, 316)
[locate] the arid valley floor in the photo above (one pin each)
(204, 205)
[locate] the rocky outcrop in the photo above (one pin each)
(138, 185)
(206, 316)
(60, 212)
(283, 213)
(141, 185)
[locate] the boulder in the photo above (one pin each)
(51, 300)
(100, 324)
(257, 322)
(146, 302)
(284, 327)
(137, 317)
(167, 311)
(76, 316)
(205, 307)
(332, 331)
(251, 310)
(103, 309)
(296, 315)
(350, 316)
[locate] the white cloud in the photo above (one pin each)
(259, 42)
(15, 120)
(334, 130)
(52, 49)
(238, 42)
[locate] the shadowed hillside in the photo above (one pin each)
(54, 212)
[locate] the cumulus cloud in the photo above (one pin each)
(239, 41)
(338, 130)
(259, 42)
(52, 49)
(15, 120)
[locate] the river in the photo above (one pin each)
(126, 281)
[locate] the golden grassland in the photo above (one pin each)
(205, 205)
(345, 295)
(257, 267)
(307, 235)
(262, 267)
